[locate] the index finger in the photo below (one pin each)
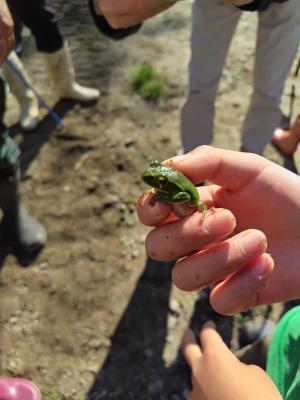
(190, 348)
(153, 215)
(210, 338)
(226, 168)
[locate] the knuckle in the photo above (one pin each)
(204, 149)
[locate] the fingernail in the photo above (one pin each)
(176, 159)
(261, 268)
(253, 242)
(219, 221)
(209, 324)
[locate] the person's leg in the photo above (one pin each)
(283, 363)
(16, 75)
(212, 28)
(22, 231)
(38, 16)
(277, 42)
(42, 22)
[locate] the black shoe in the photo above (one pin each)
(21, 231)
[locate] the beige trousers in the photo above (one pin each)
(278, 37)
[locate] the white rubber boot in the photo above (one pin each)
(29, 106)
(62, 75)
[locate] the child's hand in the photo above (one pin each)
(218, 375)
(255, 210)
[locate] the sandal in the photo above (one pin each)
(286, 141)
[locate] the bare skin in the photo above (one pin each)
(126, 13)
(256, 211)
(218, 374)
(6, 31)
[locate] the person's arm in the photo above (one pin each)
(218, 374)
(6, 31)
(253, 224)
(126, 13)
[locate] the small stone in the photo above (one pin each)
(172, 322)
(13, 320)
(129, 142)
(175, 306)
(142, 239)
(122, 208)
(44, 265)
(130, 223)
(134, 254)
(66, 189)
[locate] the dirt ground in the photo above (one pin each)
(91, 317)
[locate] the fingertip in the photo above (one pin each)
(151, 214)
(209, 325)
(219, 222)
(190, 347)
(241, 290)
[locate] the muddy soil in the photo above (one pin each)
(91, 316)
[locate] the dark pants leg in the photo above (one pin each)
(22, 232)
(38, 16)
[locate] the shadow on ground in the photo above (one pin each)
(141, 336)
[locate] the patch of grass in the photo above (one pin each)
(148, 83)
(153, 90)
(142, 75)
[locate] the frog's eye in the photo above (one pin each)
(162, 180)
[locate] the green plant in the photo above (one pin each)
(148, 83)
(153, 90)
(142, 75)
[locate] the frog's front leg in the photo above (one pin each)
(180, 197)
(201, 205)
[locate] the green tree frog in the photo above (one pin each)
(172, 186)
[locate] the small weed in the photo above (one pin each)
(149, 84)
(141, 76)
(153, 90)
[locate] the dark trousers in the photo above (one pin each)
(38, 16)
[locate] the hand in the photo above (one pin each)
(126, 13)
(218, 374)
(227, 249)
(6, 31)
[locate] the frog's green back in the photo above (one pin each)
(169, 180)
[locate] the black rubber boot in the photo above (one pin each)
(21, 231)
